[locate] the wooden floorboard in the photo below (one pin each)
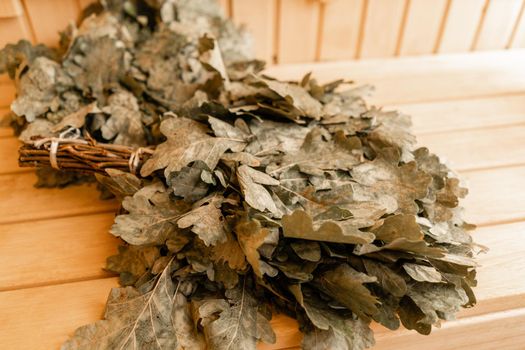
(443, 116)
(468, 108)
(67, 249)
(21, 202)
(479, 148)
(495, 195)
(424, 78)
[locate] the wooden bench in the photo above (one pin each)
(468, 108)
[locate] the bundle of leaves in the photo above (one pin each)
(261, 196)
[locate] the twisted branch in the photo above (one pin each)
(87, 156)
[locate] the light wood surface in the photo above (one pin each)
(422, 27)
(291, 31)
(53, 242)
(499, 21)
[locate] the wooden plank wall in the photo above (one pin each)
(290, 31)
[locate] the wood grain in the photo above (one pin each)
(10, 8)
(498, 24)
(461, 25)
(9, 156)
(50, 17)
(298, 29)
(488, 202)
(481, 148)
(425, 79)
(7, 90)
(340, 32)
(22, 202)
(382, 28)
(517, 39)
(66, 249)
(422, 27)
(43, 317)
(465, 149)
(495, 195)
(475, 113)
(13, 29)
(261, 26)
(52, 321)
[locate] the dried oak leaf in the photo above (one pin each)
(124, 125)
(331, 330)
(152, 216)
(187, 183)
(38, 89)
(132, 262)
(230, 252)
(345, 285)
(121, 183)
(317, 155)
(422, 273)
(300, 225)
(133, 320)
(392, 129)
(395, 188)
(235, 323)
(251, 236)
(187, 141)
(387, 278)
(297, 96)
(399, 226)
(437, 300)
(255, 194)
(96, 65)
(206, 221)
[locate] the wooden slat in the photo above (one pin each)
(428, 78)
(9, 156)
(5, 129)
(55, 251)
(21, 202)
(481, 148)
(502, 330)
(84, 3)
(226, 7)
(49, 17)
(474, 113)
(298, 30)
(461, 25)
(518, 36)
(493, 198)
(422, 26)
(444, 76)
(7, 91)
(498, 24)
(261, 25)
(495, 195)
(52, 318)
(13, 29)
(340, 32)
(10, 8)
(465, 148)
(382, 28)
(42, 318)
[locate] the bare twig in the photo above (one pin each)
(82, 155)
